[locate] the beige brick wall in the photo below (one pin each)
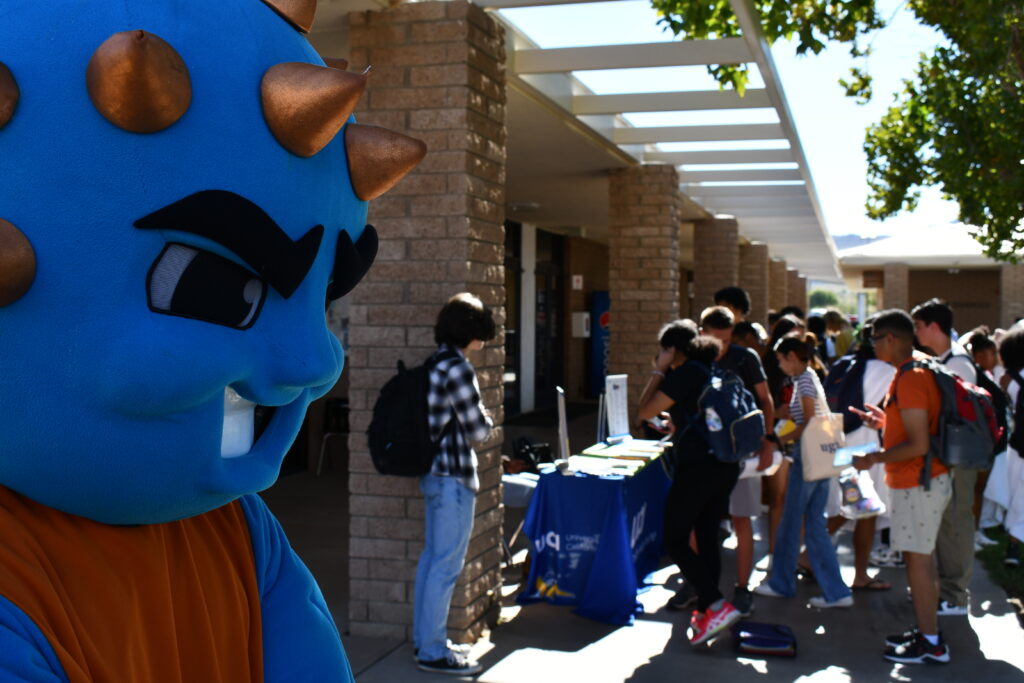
(778, 285)
(896, 292)
(438, 74)
(1011, 289)
(753, 277)
(716, 259)
(643, 276)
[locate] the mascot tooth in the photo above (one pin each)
(182, 186)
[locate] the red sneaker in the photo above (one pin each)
(705, 627)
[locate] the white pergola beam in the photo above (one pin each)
(702, 192)
(732, 156)
(744, 175)
(677, 53)
(749, 131)
(669, 101)
(739, 201)
(749, 213)
(508, 4)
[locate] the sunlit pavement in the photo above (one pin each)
(541, 643)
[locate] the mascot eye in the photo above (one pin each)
(192, 283)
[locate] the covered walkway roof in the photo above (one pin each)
(739, 156)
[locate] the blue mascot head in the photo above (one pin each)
(182, 190)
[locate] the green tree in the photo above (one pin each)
(822, 298)
(957, 123)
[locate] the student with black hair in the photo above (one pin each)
(745, 500)
(736, 300)
(954, 549)
(463, 325)
(699, 496)
(1011, 350)
(908, 420)
(805, 500)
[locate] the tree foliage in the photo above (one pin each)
(823, 298)
(958, 122)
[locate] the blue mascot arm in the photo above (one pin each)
(25, 654)
(300, 639)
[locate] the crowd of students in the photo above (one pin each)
(935, 517)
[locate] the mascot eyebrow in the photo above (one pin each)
(237, 224)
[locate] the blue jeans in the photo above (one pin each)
(805, 504)
(449, 508)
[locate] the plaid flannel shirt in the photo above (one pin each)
(455, 395)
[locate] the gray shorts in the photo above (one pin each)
(916, 515)
(745, 500)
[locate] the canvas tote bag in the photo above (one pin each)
(822, 437)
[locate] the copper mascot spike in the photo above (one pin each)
(139, 82)
(9, 94)
(305, 105)
(17, 263)
(298, 13)
(378, 158)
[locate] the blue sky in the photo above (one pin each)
(830, 125)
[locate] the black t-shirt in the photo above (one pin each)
(683, 385)
(745, 364)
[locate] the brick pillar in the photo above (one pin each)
(643, 280)
(1011, 293)
(716, 259)
(438, 74)
(896, 289)
(799, 297)
(778, 284)
(793, 287)
(753, 277)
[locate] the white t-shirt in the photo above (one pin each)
(959, 361)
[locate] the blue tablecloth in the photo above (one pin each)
(594, 540)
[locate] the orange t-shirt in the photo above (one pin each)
(152, 603)
(910, 389)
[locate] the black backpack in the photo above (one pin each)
(1000, 403)
(844, 387)
(399, 432)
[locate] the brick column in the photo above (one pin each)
(753, 277)
(716, 258)
(778, 284)
(1011, 293)
(799, 296)
(438, 74)
(643, 280)
(896, 288)
(793, 287)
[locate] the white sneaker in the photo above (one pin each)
(820, 602)
(948, 609)
(884, 556)
(767, 591)
(981, 538)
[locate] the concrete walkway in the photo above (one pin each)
(541, 643)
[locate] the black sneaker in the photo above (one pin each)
(743, 601)
(684, 598)
(918, 651)
(902, 638)
(454, 664)
(1012, 558)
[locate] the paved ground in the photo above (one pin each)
(541, 643)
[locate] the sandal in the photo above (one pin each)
(875, 584)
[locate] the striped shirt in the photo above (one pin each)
(455, 395)
(806, 384)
